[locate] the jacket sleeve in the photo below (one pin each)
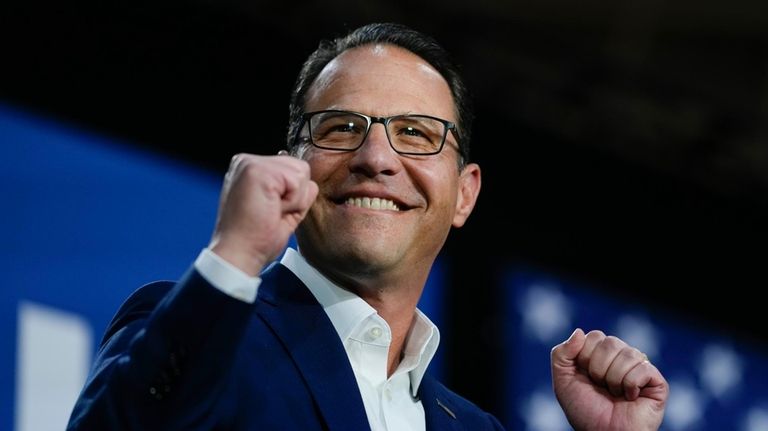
(164, 359)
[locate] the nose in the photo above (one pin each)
(375, 156)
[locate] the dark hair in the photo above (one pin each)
(393, 34)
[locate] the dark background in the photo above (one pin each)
(622, 143)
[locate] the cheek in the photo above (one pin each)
(440, 187)
(322, 169)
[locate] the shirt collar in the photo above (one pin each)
(346, 311)
(421, 343)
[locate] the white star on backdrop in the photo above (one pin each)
(541, 412)
(756, 420)
(638, 331)
(685, 406)
(546, 312)
(720, 370)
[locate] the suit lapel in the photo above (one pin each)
(300, 322)
(439, 413)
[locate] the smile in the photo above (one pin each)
(373, 203)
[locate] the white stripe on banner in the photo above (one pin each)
(53, 357)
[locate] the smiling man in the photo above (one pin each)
(375, 176)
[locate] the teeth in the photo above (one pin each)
(373, 203)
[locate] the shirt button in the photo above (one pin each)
(375, 332)
(388, 394)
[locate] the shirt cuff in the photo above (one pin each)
(227, 277)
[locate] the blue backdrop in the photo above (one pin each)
(86, 221)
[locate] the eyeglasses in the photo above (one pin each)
(420, 135)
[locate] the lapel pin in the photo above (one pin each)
(447, 410)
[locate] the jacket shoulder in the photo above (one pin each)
(138, 305)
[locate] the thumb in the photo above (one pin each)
(565, 353)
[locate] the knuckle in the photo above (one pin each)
(613, 342)
(595, 334)
(635, 353)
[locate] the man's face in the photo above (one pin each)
(341, 232)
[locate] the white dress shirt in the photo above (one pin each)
(390, 402)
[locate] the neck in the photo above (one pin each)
(398, 311)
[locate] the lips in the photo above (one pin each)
(373, 203)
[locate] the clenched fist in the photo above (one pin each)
(263, 199)
(604, 384)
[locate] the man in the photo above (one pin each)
(330, 338)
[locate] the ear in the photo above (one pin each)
(469, 189)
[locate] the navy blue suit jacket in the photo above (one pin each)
(184, 355)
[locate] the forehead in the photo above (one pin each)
(381, 80)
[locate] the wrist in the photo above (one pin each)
(239, 257)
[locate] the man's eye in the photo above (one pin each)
(410, 131)
(348, 127)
